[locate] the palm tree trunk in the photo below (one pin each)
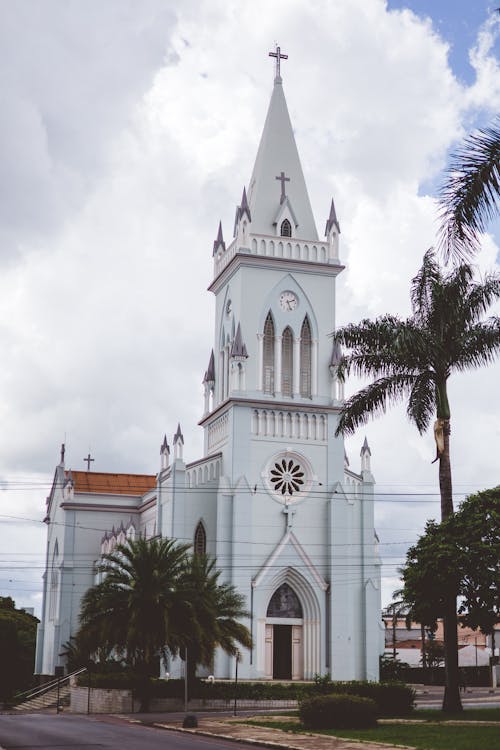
(451, 700)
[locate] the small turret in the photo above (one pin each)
(178, 443)
(209, 384)
(365, 456)
(337, 384)
(332, 231)
(238, 356)
(242, 219)
(219, 244)
(164, 454)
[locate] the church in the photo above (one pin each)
(273, 498)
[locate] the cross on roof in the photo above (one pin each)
(279, 56)
(281, 177)
(89, 460)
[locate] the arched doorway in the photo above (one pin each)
(284, 647)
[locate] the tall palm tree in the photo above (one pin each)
(469, 194)
(217, 611)
(414, 359)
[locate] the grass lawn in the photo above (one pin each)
(469, 714)
(421, 736)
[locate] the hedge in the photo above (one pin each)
(338, 711)
(392, 698)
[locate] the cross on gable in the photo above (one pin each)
(88, 460)
(279, 56)
(281, 177)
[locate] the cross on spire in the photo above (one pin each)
(281, 177)
(279, 56)
(88, 460)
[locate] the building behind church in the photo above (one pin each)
(273, 498)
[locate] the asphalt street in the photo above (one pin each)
(67, 732)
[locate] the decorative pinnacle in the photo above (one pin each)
(219, 240)
(179, 437)
(366, 448)
(336, 354)
(164, 448)
(332, 220)
(238, 348)
(210, 373)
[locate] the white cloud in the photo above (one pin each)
(137, 134)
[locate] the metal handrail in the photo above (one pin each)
(41, 689)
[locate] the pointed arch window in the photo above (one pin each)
(268, 359)
(305, 359)
(200, 540)
(287, 363)
(286, 228)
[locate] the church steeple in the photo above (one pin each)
(277, 174)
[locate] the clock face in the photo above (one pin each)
(288, 301)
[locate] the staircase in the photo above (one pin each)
(47, 697)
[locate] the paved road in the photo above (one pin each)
(66, 732)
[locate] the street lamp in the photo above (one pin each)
(238, 659)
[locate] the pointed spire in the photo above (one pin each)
(238, 348)
(244, 207)
(332, 220)
(365, 448)
(178, 437)
(277, 155)
(336, 355)
(210, 372)
(63, 451)
(219, 243)
(164, 448)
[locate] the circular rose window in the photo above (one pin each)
(288, 476)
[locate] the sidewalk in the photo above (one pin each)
(230, 729)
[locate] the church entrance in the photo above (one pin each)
(284, 647)
(282, 652)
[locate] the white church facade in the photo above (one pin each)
(273, 499)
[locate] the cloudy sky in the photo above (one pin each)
(128, 130)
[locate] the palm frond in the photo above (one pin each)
(479, 345)
(372, 400)
(422, 401)
(469, 194)
(422, 285)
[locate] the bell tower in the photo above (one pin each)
(287, 505)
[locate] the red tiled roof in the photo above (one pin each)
(114, 484)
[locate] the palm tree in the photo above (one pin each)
(469, 194)
(414, 359)
(138, 609)
(217, 611)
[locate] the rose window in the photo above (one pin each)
(287, 476)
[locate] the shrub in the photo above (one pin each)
(337, 711)
(392, 698)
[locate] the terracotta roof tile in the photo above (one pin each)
(114, 484)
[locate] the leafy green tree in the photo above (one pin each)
(462, 555)
(469, 194)
(413, 359)
(17, 648)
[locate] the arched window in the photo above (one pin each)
(305, 359)
(286, 228)
(284, 603)
(287, 363)
(54, 584)
(268, 355)
(200, 540)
